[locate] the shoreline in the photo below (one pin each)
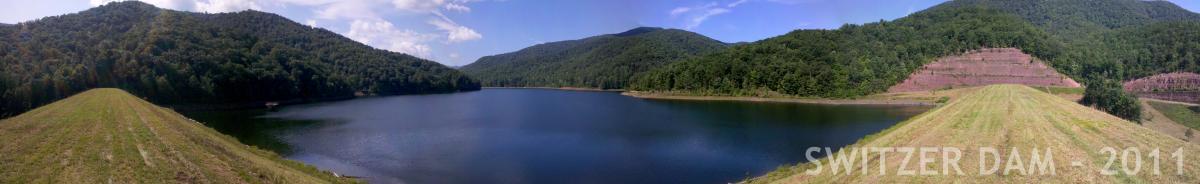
(561, 88)
(660, 96)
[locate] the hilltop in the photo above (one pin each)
(604, 62)
(175, 57)
(1009, 117)
(110, 136)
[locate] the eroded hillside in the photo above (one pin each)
(984, 67)
(1178, 86)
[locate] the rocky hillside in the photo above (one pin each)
(984, 67)
(1178, 86)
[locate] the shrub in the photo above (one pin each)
(1108, 96)
(943, 100)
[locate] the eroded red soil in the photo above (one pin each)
(1178, 86)
(984, 67)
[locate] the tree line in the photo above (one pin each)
(173, 57)
(605, 61)
(851, 61)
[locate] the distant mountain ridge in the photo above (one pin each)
(605, 61)
(174, 57)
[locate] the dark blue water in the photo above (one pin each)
(552, 136)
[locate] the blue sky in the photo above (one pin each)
(457, 32)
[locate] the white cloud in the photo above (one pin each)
(457, 7)
(350, 9)
(696, 15)
(420, 6)
(226, 5)
(308, 2)
(736, 3)
(383, 34)
(310, 23)
(680, 10)
(699, 19)
(792, 2)
(455, 33)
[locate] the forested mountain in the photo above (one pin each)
(174, 57)
(851, 61)
(1085, 39)
(1077, 19)
(1122, 39)
(605, 61)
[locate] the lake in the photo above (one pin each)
(552, 136)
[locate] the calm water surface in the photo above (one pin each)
(552, 136)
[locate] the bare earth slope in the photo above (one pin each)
(1178, 86)
(1008, 117)
(110, 136)
(983, 67)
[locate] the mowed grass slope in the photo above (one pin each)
(1006, 117)
(110, 136)
(1178, 112)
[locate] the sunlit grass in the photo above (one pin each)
(1005, 117)
(110, 136)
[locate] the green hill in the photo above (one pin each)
(1084, 39)
(1008, 117)
(175, 57)
(1079, 19)
(854, 60)
(605, 61)
(110, 136)
(1121, 39)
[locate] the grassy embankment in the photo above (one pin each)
(1170, 118)
(1007, 117)
(1178, 112)
(110, 136)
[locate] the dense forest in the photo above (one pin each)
(1076, 20)
(605, 61)
(1118, 39)
(1085, 39)
(851, 61)
(174, 57)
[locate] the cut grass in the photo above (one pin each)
(110, 136)
(1060, 90)
(1178, 113)
(1006, 117)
